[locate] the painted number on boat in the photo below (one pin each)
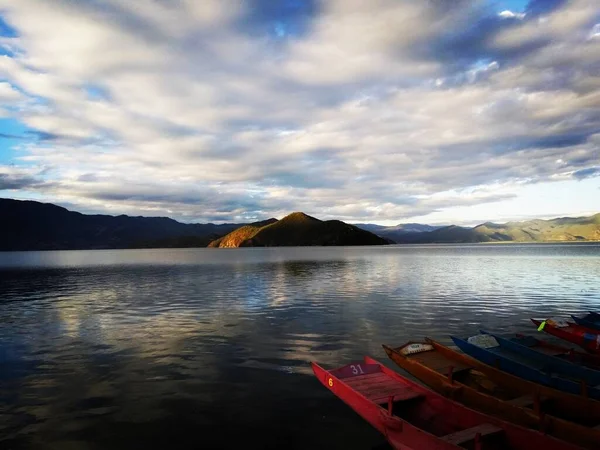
(356, 369)
(330, 382)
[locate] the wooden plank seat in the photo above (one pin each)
(439, 362)
(379, 387)
(524, 401)
(469, 434)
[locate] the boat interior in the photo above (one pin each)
(554, 370)
(559, 351)
(429, 413)
(475, 379)
(464, 374)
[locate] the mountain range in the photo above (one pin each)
(565, 229)
(397, 233)
(30, 225)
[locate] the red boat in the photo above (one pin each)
(586, 338)
(411, 416)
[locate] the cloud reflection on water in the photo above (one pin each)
(147, 349)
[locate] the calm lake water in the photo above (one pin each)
(210, 348)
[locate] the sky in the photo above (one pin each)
(380, 111)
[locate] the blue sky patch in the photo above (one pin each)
(12, 133)
(96, 92)
(6, 30)
(515, 6)
(279, 19)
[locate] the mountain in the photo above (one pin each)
(396, 233)
(564, 229)
(401, 227)
(297, 229)
(238, 236)
(29, 225)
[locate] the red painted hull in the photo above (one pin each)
(411, 416)
(586, 338)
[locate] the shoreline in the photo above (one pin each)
(312, 246)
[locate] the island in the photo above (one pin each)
(297, 229)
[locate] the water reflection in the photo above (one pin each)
(134, 349)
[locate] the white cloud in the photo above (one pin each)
(568, 22)
(508, 14)
(9, 93)
(150, 107)
(355, 40)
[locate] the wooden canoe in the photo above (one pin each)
(590, 320)
(411, 416)
(501, 357)
(585, 337)
(562, 351)
(482, 387)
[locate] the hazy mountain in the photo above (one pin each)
(562, 229)
(405, 227)
(396, 232)
(29, 225)
(556, 230)
(298, 229)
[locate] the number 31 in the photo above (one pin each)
(356, 369)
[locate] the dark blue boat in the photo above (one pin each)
(551, 364)
(559, 351)
(528, 364)
(590, 320)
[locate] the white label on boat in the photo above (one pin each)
(416, 348)
(557, 322)
(483, 341)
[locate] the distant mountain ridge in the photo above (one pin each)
(30, 225)
(298, 229)
(397, 232)
(564, 229)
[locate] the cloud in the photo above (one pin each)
(229, 110)
(10, 136)
(508, 14)
(18, 179)
(8, 93)
(546, 21)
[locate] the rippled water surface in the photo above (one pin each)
(210, 348)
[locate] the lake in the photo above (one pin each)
(210, 348)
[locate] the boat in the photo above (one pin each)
(491, 391)
(590, 320)
(586, 338)
(411, 416)
(547, 363)
(489, 350)
(560, 351)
